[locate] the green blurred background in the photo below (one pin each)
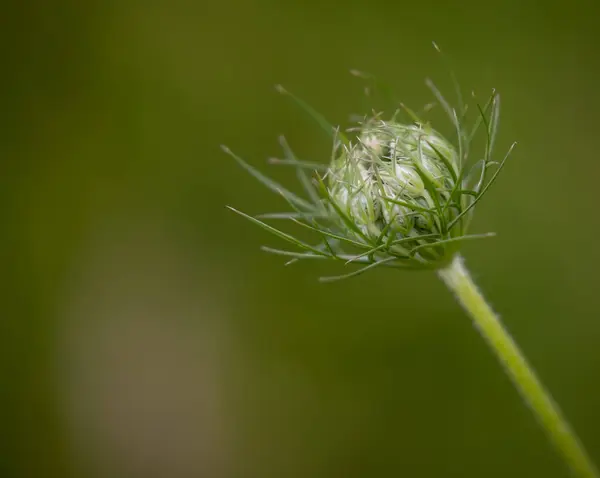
(145, 335)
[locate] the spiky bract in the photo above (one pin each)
(398, 194)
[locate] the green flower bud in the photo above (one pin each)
(396, 194)
(394, 185)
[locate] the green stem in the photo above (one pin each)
(457, 278)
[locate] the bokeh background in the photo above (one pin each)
(144, 334)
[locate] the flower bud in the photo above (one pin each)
(395, 195)
(394, 185)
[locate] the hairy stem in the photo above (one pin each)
(457, 278)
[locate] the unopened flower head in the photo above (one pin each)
(395, 193)
(392, 178)
(399, 194)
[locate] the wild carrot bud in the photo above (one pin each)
(395, 194)
(392, 182)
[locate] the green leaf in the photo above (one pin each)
(428, 182)
(343, 216)
(484, 190)
(358, 272)
(414, 250)
(446, 162)
(314, 114)
(299, 164)
(304, 255)
(480, 118)
(397, 242)
(451, 112)
(409, 205)
(269, 183)
(413, 116)
(279, 233)
(291, 215)
(332, 235)
(297, 255)
(302, 177)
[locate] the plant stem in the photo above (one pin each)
(457, 278)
